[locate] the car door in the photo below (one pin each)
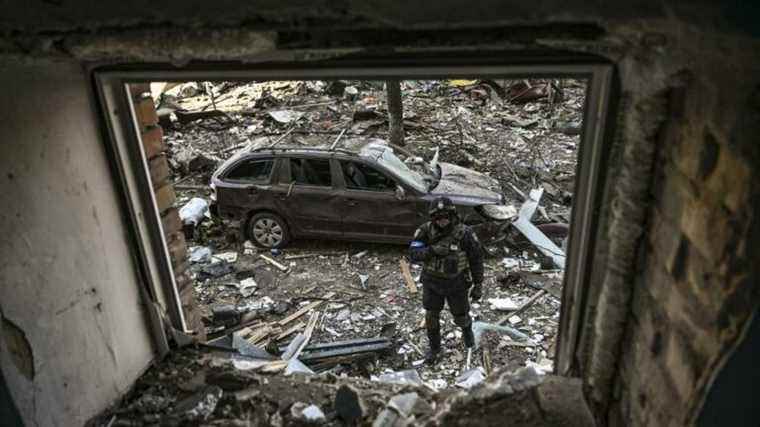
(311, 204)
(247, 186)
(372, 208)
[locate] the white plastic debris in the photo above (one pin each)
(313, 413)
(409, 376)
(479, 327)
(404, 403)
(249, 364)
(227, 256)
(309, 413)
(199, 254)
(514, 319)
(502, 304)
(437, 384)
(193, 211)
(509, 263)
(359, 254)
(532, 233)
(363, 278)
(296, 366)
(470, 378)
(249, 248)
(543, 367)
(351, 91)
(285, 116)
(247, 287)
(263, 303)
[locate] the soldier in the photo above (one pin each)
(452, 260)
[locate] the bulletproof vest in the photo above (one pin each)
(450, 260)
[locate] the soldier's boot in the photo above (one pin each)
(465, 323)
(433, 326)
(469, 337)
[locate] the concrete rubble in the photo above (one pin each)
(330, 311)
(194, 386)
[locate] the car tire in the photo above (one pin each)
(268, 231)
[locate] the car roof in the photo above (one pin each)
(365, 148)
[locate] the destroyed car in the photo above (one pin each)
(359, 191)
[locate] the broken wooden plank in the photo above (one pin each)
(410, 285)
(274, 263)
(305, 310)
(487, 363)
(274, 366)
(524, 306)
(514, 344)
(259, 334)
(307, 333)
(290, 331)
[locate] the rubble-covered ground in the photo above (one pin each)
(492, 127)
(199, 387)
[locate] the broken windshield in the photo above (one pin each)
(390, 161)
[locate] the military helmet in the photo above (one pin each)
(442, 206)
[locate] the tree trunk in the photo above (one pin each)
(395, 112)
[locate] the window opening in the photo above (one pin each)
(311, 172)
(252, 171)
(359, 176)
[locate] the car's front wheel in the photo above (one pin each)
(268, 230)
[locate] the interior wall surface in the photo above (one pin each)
(74, 334)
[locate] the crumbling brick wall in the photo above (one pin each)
(151, 135)
(693, 291)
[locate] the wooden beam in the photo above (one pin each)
(410, 285)
(274, 263)
(305, 310)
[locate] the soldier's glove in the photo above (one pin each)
(476, 292)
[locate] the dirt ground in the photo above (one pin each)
(476, 124)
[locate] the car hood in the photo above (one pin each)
(465, 184)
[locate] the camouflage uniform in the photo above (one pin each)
(452, 260)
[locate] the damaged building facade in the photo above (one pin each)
(657, 332)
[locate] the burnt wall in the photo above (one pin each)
(675, 276)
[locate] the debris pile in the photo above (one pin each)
(201, 387)
(353, 309)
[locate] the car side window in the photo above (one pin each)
(257, 170)
(311, 172)
(359, 176)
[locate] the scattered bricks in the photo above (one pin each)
(666, 240)
(165, 198)
(646, 376)
(707, 228)
(177, 248)
(153, 141)
(145, 112)
(671, 192)
(703, 284)
(181, 267)
(679, 367)
(708, 156)
(170, 221)
(183, 280)
(159, 170)
(730, 180)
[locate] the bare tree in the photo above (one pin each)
(395, 111)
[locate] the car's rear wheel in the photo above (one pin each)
(268, 230)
